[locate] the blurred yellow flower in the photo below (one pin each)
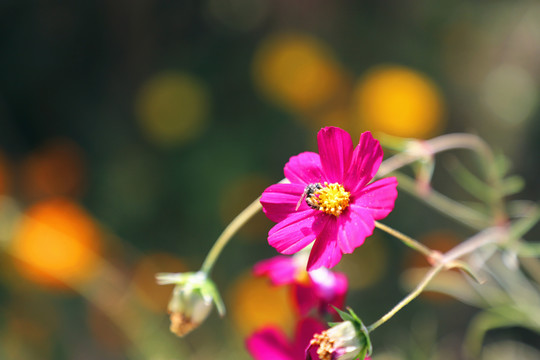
(256, 303)
(399, 101)
(56, 243)
(297, 71)
(172, 108)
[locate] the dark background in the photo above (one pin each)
(156, 122)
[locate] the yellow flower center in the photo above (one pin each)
(331, 199)
(326, 345)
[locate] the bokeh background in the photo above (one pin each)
(132, 132)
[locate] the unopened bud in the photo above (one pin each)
(192, 300)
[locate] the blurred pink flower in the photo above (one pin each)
(270, 343)
(321, 288)
(340, 205)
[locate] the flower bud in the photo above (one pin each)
(192, 300)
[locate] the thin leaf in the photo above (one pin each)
(470, 182)
(502, 164)
(512, 185)
(522, 226)
(467, 270)
(526, 249)
(214, 293)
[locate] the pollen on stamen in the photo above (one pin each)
(325, 345)
(332, 199)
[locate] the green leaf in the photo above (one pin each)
(469, 271)
(502, 164)
(522, 226)
(498, 317)
(512, 185)
(343, 315)
(212, 290)
(526, 249)
(470, 182)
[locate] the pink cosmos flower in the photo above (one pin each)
(320, 289)
(329, 201)
(270, 343)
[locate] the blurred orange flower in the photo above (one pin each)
(56, 243)
(297, 71)
(399, 101)
(255, 303)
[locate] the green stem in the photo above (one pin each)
(407, 240)
(453, 142)
(445, 205)
(228, 233)
(488, 236)
(417, 291)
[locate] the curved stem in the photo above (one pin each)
(407, 240)
(228, 233)
(417, 291)
(457, 211)
(451, 142)
(437, 145)
(488, 236)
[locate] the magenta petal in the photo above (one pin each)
(325, 251)
(269, 344)
(311, 352)
(294, 233)
(280, 269)
(305, 298)
(305, 168)
(378, 197)
(366, 159)
(330, 287)
(335, 150)
(280, 200)
(356, 225)
(305, 330)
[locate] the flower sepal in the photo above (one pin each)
(362, 332)
(192, 299)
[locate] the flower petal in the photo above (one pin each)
(330, 289)
(280, 269)
(293, 233)
(366, 159)
(335, 150)
(269, 344)
(356, 224)
(280, 200)
(305, 168)
(304, 298)
(305, 330)
(325, 251)
(378, 197)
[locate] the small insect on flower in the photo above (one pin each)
(342, 201)
(309, 196)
